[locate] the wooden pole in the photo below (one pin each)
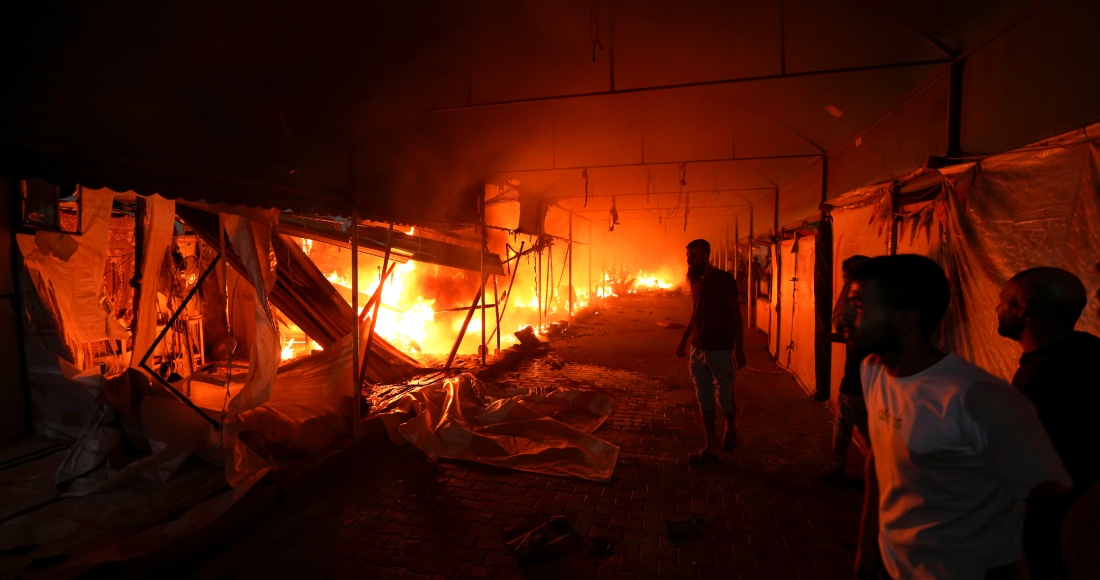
(538, 284)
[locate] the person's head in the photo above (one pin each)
(698, 255)
(896, 301)
(849, 264)
(1050, 298)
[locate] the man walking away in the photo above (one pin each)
(955, 451)
(716, 338)
(1039, 308)
(851, 411)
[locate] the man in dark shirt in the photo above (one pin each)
(716, 338)
(1058, 371)
(851, 411)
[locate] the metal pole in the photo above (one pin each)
(484, 244)
(538, 284)
(496, 312)
(591, 296)
(570, 260)
(465, 324)
(357, 386)
(377, 299)
(508, 294)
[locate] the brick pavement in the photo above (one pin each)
(768, 514)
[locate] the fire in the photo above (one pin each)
(405, 327)
(650, 281)
(424, 306)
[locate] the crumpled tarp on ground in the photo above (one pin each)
(542, 432)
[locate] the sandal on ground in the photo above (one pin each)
(731, 441)
(702, 457)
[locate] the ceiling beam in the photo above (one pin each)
(824, 72)
(639, 194)
(654, 163)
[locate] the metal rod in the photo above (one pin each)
(707, 83)
(377, 298)
(484, 244)
(496, 312)
(569, 259)
(538, 285)
(591, 296)
(465, 324)
(171, 321)
(508, 296)
(356, 370)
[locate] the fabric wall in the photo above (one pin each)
(797, 319)
(855, 232)
(1012, 212)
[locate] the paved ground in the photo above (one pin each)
(767, 512)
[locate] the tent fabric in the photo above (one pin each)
(1008, 213)
(67, 268)
(857, 218)
(538, 431)
(252, 241)
(797, 325)
(308, 299)
(160, 218)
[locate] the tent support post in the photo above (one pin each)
(591, 296)
(496, 313)
(484, 244)
(377, 299)
(357, 388)
(754, 284)
(570, 260)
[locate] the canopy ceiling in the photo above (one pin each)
(410, 106)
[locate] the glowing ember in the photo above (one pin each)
(288, 350)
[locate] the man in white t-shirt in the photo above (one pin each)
(955, 451)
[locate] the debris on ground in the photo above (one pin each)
(543, 541)
(670, 325)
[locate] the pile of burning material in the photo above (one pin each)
(537, 430)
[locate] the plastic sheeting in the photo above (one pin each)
(252, 242)
(160, 218)
(60, 266)
(542, 432)
(1038, 207)
(857, 218)
(797, 320)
